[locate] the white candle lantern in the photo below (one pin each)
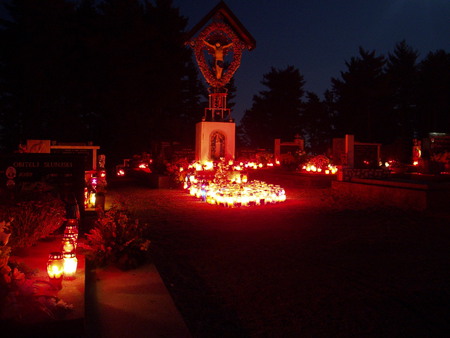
(70, 265)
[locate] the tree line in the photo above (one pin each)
(385, 99)
(117, 72)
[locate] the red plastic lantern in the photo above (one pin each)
(72, 230)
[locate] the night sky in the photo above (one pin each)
(318, 37)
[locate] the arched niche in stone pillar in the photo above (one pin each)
(217, 145)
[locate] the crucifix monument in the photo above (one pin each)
(218, 41)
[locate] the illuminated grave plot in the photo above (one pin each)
(311, 168)
(227, 185)
(319, 164)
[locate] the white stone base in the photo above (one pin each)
(204, 134)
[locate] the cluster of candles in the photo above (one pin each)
(63, 264)
(232, 165)
(233, 191)
(234, 194)
(329, 169)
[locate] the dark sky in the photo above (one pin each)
(318, 36)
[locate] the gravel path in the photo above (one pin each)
(315, 265)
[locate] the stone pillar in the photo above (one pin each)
(204, 132)
(277, 149)
(350, 150)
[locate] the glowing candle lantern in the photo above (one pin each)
(55, 269)
(92, 199)
(70, 265)
(68, 243)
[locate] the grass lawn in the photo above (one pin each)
(316, 265)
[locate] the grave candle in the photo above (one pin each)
(70, 265)
(73, 230)
(55, 268)
(68, 243)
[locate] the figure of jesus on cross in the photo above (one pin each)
(219, 51)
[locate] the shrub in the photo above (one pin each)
(117, 239)
(34, 220)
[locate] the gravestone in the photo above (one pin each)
(59, 174)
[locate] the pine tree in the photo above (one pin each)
(38, 49)
(433, 93)
(275, 113)
(402, 76)
(316, 124)
(361, 98)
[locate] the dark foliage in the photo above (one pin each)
(361, 98)
(394, 99)
(433, 99)
(113, 72)
(275, 112)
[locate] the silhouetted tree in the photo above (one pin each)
(194, 100)
(361, 97)
(402, 76)
(316, 124)
(38, 45)
(275, 112)
(115, 72)
(123, 76)
(434, 93)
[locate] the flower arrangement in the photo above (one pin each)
(117, 239)
(177, 170)
(26, 300)
(5, 250)
(5, 232)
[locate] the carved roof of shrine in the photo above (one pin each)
(230, 19)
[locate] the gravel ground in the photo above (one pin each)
(316, 265)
